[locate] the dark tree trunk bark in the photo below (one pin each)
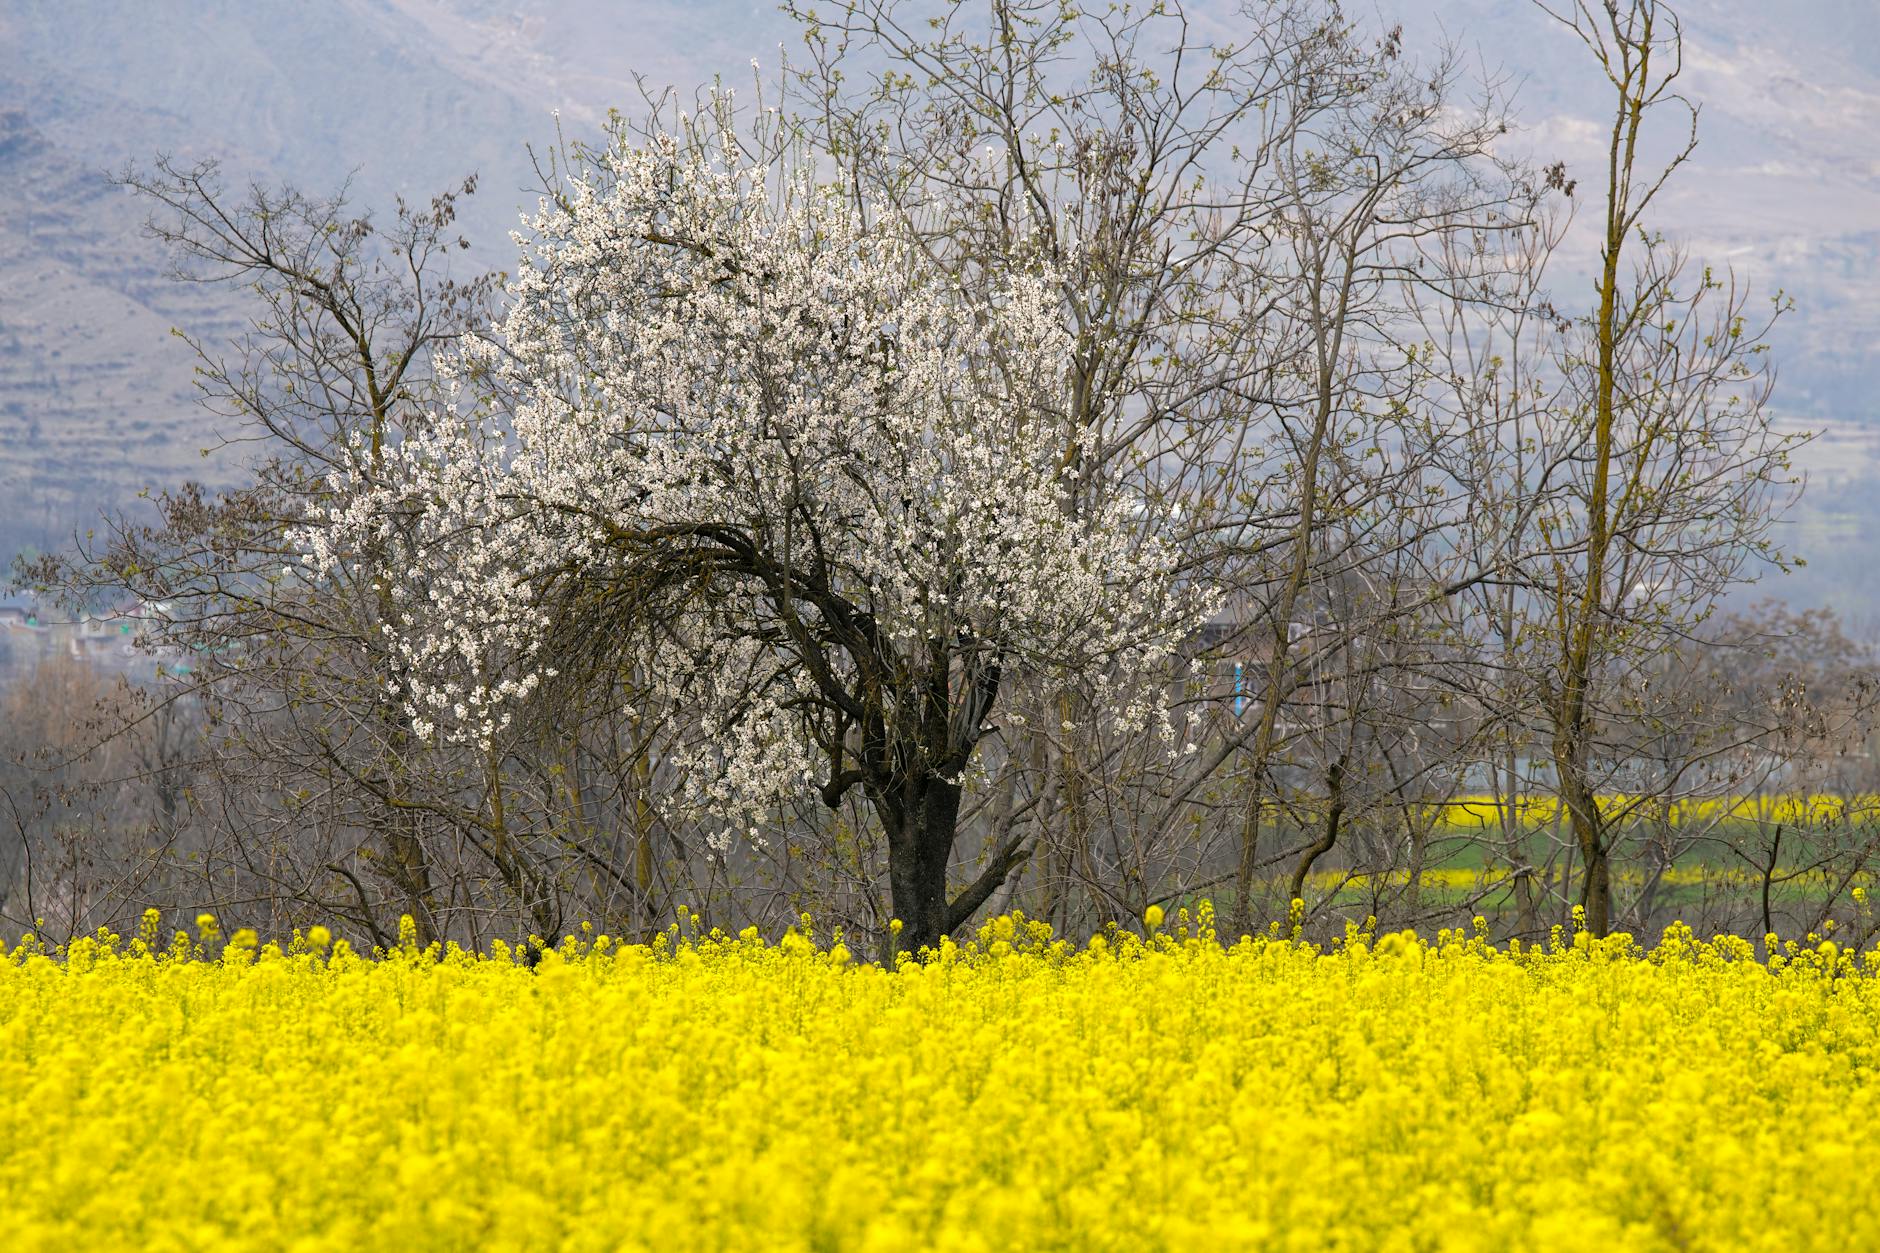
(1596, 892)
(920, 820)
(1327, 838)
(1589, 835)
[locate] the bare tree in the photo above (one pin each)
(337, 356)
(1665, 467)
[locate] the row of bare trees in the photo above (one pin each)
(1468, 519)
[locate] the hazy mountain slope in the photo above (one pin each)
(93, 388)
(311, 92)
(406, 96)
(583, 56)
(401, 97)
(1784, 189)
(96, 397)
(1785, 184)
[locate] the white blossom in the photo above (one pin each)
(722, 392)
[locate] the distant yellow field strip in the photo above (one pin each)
(1464, 877)
(1476, 812)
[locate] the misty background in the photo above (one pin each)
(406, 97)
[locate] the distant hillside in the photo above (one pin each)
(404, 97)
(94, 392)
(1785, 184)
(401, 98)
(1784, 188)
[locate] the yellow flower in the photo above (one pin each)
(1012, 1092)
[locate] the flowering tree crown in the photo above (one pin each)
(762, 448)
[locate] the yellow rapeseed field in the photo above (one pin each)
(1474, 813)
(1012, 1092)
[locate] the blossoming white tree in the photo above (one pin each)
(735, 436)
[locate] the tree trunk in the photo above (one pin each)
(1596, 890)
(1590, 836)
(411, 872)
(1249, 855)
(1328, 834)
(920, 819)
